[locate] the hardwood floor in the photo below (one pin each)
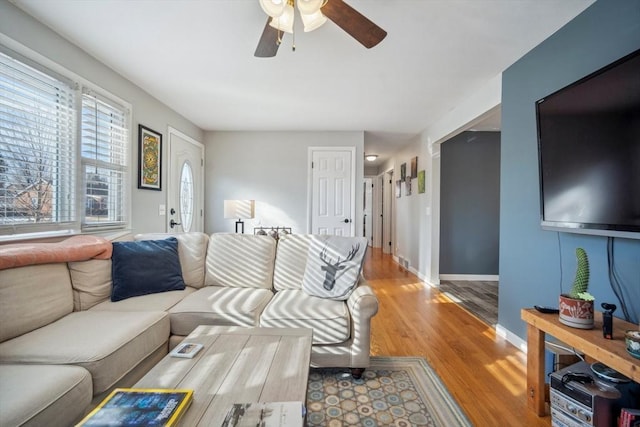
(485, 373)
(476, 296)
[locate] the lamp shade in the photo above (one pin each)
(285, 21)
(273, 8)
(308, 7)
(313, 20)
(241, 209)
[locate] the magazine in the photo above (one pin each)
(186, 349)
(269, 414)
(131, 407)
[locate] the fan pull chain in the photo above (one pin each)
(293, 32)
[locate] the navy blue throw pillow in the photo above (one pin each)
(145, 267)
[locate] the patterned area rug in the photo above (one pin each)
(394, 391)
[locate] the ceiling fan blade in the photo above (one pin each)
(354, 23)
(268, 44)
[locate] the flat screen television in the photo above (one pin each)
(589, 153)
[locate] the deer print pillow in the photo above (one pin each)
(333, 266)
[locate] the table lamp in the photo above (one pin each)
(241, 209)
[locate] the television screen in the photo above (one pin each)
(589, 152)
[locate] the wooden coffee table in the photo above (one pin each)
(236, 365)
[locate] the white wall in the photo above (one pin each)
(29, 33)
(417, 217)
(271, 168)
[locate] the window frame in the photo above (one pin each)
(125, 168)
(81, 85)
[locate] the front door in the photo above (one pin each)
(332, 191)
(185, 197)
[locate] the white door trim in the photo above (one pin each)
(388, 213)
(310, 152)
(173, 131)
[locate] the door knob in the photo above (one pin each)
(172, 223)
(347, 220)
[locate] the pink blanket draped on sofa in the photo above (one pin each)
(76, 248)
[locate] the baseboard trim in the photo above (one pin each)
(415, 272)
(514, 339)
(479, 277)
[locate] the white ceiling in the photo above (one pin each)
(196, 56)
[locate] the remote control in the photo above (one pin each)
(546, 310)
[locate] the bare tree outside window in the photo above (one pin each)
(36, 146)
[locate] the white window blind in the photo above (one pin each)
(37, 149)
(104, 161)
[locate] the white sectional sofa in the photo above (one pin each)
(64, 343)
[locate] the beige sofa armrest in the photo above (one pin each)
(363, 305)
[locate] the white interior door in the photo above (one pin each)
(368, 210)
(185, 198)
(378, 198)
(333, 191)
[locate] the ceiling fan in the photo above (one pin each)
(314, 13)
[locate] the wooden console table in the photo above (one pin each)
(612, 353)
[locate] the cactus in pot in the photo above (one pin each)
(576, 307)
(581, 281)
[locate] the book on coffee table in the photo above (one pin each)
(265, 414)
(132, 407)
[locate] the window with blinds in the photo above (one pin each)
(56, 175)
(37, 149)
(104, 161)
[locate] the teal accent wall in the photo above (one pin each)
(535, 264)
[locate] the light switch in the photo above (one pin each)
(162, 210)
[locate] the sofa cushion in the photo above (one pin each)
(333, 266)
(329, 319)
(216, 305)
(162, 301)
(39, 395)
(145, 267)
(240, 261)
(108, 344)
(291, 261)
(91, 282)
(33, 296)
(192, 250)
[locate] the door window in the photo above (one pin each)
(186, 196)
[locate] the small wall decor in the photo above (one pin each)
(150, 159)
(414, 167)
(398, 188)
(421, 186)
(407, 186)
(403, 172)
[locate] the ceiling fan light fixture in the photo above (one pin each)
(312, 21)
(285, 21)
(309, 7)
(273, 8)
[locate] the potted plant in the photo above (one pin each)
(576, 307)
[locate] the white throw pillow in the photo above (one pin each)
(333, 266)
